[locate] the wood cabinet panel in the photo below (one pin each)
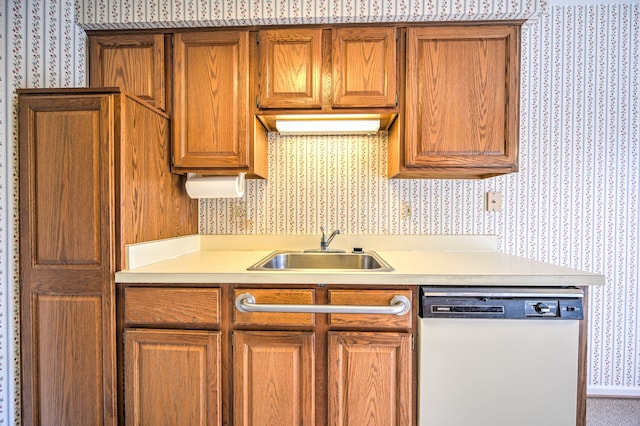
(291, 296)
(68, 356)
(161, 205)
(290, 72)
(369, 321)
(84, 192)
(63, 396)
(274, 378)
(364, 67)
(71, 134)
(188, 307)
(172, 377)
(211, 100)
(461, 102)
(134, 62)
(370, 378)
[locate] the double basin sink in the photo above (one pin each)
(322, 260)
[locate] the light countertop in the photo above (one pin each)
(432, 260)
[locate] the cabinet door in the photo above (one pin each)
(134, 62)
(274, 378)
(364, 67)
(290, 71)
(211, 100)
(462, 97)
(369, 377)
(66, 259)
(172, 377)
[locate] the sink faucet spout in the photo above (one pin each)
(324, 241)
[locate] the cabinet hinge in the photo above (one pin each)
(413, 342)
(258, 39)
(257, 102)
(396, 99)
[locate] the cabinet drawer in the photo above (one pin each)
(184, 306)
(284, 296)
(367, 321)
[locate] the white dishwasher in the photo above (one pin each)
(498, 356)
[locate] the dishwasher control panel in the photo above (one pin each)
(437, 302)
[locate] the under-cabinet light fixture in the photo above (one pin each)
(327, 126)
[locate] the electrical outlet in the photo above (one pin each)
(494, 201)
(407, 210)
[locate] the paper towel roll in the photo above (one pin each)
(215, 186)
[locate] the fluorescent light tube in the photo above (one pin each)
(327, 126)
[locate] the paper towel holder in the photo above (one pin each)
(213, 186)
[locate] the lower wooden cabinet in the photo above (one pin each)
(199, 360)
(274, 378)
(341, 369)
(369, 377)
(172, 377)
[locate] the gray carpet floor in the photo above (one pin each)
(613, 412)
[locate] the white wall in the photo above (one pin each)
(574, 201)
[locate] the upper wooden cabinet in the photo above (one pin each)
(340, 70)
(290, 68)
(213, 129)
(364, 65)
(134, 62)
(461, 103)
(448, 93)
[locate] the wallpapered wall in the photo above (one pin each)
(573, 203)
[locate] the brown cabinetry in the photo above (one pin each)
(364, 67)
(461, 103)
(92, 178)
(172, 377)
(133, 62)
(213, 129)
(192, 357)
(447, 93)
(369, 377)
(274, 377)
(274, 361)
(172, 370)
(290, 71)
(318, 368)
(341, 70)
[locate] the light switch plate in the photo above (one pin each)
(494, 201)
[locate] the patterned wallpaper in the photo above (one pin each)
(573, 203)
(340, 182)
(104, 14)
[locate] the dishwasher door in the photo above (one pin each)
(499, 370)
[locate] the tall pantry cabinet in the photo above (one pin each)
(94, 176)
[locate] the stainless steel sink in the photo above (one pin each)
(297, 260)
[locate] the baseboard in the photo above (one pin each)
(612, 392)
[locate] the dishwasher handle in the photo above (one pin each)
(398, 305)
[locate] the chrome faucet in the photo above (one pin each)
(324, 241)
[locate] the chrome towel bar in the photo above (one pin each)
(398, 305)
